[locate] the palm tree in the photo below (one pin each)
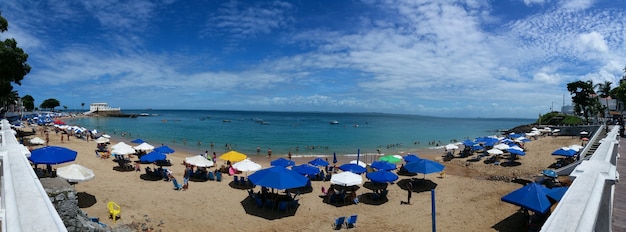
(604, 91)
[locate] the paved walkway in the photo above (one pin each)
(619, 201)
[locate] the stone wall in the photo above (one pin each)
(65, 200)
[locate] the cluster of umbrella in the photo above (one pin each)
(570, 151)
(535, 197)
(53, 155)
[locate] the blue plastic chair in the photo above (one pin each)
(236, 180)
(218, 177)
(351, 223)
(211, 176)
(339, 223)
(242, 181)
(259, 202)
(282, 206)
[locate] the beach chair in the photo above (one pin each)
(236, 180)
(177, 186)
(211, 176)
(259, 202)
(283, 205)
(114, 210)
(339, 223)
(242, 181)
(218, 177)
(351, 223)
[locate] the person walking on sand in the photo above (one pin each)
(289, 155)
(186, 177)
(269, 153)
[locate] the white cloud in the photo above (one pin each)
(593, 41)
(576, 4)
(547, 78)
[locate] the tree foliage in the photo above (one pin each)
(28, 102)
(50, 104)
(13, 66)
(584, 97)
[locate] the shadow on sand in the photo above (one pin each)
(251, 208)
(85, 200)
(420, 185)
(513, 223)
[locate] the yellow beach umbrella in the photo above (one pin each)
(233, 156)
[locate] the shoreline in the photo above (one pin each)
(210, 204)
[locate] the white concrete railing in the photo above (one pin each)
(24, 204)
(588, 203)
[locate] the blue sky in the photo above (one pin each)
(499, 58)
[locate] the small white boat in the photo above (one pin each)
(334, 122)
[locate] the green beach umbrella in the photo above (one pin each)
(390, 159)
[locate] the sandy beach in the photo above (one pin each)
(466, 198)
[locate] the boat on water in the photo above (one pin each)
(144, 114)
(334, 122)
(226, 120)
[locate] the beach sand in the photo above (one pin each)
(465, 199)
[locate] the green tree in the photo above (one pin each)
(50, 104)
(604, 91)
(583, 97)
(8, 99)
(28, 102)
(13, 66)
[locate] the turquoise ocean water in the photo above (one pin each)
(296, 132)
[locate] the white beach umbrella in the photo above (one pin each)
(358, 162)
(495, 151)
(247, 165)
(123, 150)
(144, 147)
(199, 161)
(501, 146)
(451, 146)
(102, 140)
(121, 145)
(346, 179)
(106, 136)
(75, 173)
(37, 140)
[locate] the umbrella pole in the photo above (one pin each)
(434, 211)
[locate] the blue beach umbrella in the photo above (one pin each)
(468, 142)
(278, 177)
(564, 152)
(532, 196)
(424, 166)
(516, 151)
(557, 193)
(411, 158)
(152, 157)
(334, 158)
(318, 162)
(164, 149)
(52, 155)
(138, 141)
(477, 147)
(381, 176)
(549, 173)
(354, 168)
(383, 165)
(306, 169)
(282, 162)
